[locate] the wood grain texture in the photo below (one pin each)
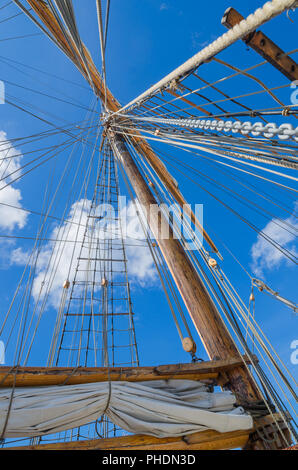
(264, 46)
(49, 376)
(205, 440)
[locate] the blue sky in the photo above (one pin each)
(147, 39)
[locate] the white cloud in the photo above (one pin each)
(57, 261)
(140, 262)
(264, 255)
(10, 217)
(164, 6)
(19, 257)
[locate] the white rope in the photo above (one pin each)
(246, 26)
(263, 287)
(102, 47)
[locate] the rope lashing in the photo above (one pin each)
(109, 395)
(70, 375)
(10, 400)
(107, 402)
(8, 373)
(251, 313)
(264, 436)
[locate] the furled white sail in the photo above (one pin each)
(158, 408)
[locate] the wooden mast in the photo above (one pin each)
(214, 335)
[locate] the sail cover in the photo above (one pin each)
(158, 408)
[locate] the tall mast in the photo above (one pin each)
(214, 335)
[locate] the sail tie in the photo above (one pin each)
(107, 403)
(109, 394)
(70, 375)
(8, 373)
(15, 368)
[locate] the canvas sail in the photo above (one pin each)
(161, 408)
